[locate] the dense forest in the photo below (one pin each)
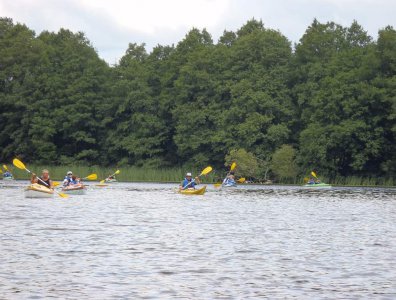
(326, 103)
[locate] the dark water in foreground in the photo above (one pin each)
(134, 241)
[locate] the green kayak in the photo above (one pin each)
(317, 185)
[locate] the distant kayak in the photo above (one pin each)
(101, 185)
(8, 178)
(200, 191)
(38, 191)
(75, 189)
(111, 180)
(317, 185)
(230, 184)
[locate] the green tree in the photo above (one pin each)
(283, 163)
(247, 164)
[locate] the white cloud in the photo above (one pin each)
(151, 16)
(111, 25)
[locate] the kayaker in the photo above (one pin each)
(230, 179)
(7, 174)
(45, 179)
(74, 180)
(189, 182)
(311, 180)
(68, 178)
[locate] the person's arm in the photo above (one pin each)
(197, 181)
(181, 186)
(33, 179)
(51, 186)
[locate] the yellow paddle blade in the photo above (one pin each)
(206, 171)
(101, 182)
(5, 167)
(92, 177)
(56, 183)
(217, 185)
(313, 174)
(17, 163)
(241, 180)
(63, 195)
(117, 172)
(233, 166)
(1, 171)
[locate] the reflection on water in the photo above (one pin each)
(145, 241)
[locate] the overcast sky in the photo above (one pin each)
(111, 24)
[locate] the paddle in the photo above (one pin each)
(91, 177)
(5, 167)
(20, 165)
(241, 180)
(314, 174)
(233, 166)
(205, 171)
(115, 173)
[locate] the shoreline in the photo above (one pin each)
(87, 182)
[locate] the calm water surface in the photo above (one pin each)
(133, 241)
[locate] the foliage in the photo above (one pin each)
(332, 96)
(247, 164)
(283, 163)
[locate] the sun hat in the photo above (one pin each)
(188, 174)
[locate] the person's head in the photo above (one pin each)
(69, 174)
(232, 173)
(188, 176)
(45, 174)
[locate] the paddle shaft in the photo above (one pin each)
(111, 175)
(193, 180)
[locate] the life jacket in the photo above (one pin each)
(186, 182)
(68, 180)
(48, 182)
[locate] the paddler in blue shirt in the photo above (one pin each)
(68, 178)
(7, 174)
(230, 179)
(189, 183)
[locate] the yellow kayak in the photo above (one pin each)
(36, 190)
(101, 185)
(200, 191)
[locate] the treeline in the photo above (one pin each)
(327, 103)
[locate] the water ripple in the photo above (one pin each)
(144, 241)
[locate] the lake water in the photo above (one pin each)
(134, 241)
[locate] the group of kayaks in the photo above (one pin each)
(202, 190)
(36, 190)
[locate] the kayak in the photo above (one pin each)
(200, 191)
(101, 185)
(317, 185)
(110, 180)
(231, 184)
(75, 189)
(38, 191)
(8, 178)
